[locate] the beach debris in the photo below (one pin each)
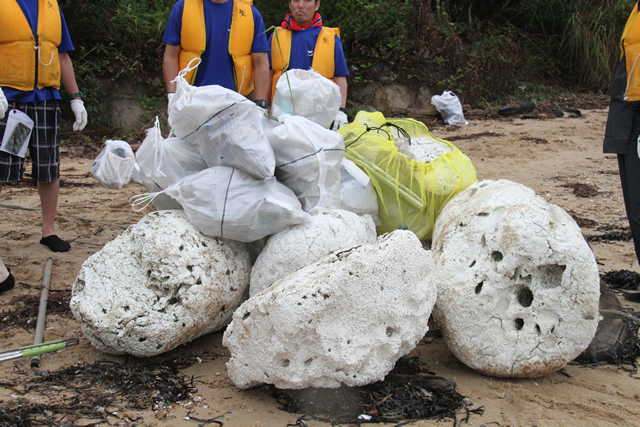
(613, 331)
(103, 390)
(24, 315)
(511, 110)
(406, 393)
(159, 284)
(345, 319)
(518, 285)
(328, 231)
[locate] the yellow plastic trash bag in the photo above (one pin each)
(411, 193)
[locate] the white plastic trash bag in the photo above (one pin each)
(223, 126)
(449, 107)
(113, 166)
(228, 203)
(308, 94)
(163, 162)
(308, 159)
(357, 193)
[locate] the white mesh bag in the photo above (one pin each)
(308, 159)
(308, 94)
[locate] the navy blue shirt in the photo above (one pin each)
(216, 67)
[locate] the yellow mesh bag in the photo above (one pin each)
(411, 193)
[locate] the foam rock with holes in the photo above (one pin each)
(518, 286)
(159, 284)
(328, 230)
(345, 319)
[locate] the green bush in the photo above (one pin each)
(483, 51)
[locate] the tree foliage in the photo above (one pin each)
(483, 50)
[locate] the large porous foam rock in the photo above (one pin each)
(328, 231)
(345, 319)
(518, 286)
(159, 284)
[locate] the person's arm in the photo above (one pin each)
(67, 75)
(170, 66)
(342, 84)
(260, 62)
(68, 79)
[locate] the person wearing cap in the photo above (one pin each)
(302, 42)
(34, 47)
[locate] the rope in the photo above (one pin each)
(24, 208)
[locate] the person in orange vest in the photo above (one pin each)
(302, 43)
(34, 47)
(228, 36)
(622, 131)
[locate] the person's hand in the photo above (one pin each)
(4, 105)
(170, 96)
(77, 106)
(340, 120)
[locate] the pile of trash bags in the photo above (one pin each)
(241, 173)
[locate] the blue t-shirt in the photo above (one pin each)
(30, 10)
(216, 67)
(303, 45)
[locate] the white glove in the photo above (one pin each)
(340, 120)
(77, 106)
(170, 96)
(4, 105)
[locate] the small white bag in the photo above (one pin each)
(449, 107)
(356, 190)
(163, 162)
(113, 166)
(228, 203)
(308, 94)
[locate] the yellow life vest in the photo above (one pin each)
(194, 38)
(323, 56)
(29, 62)
(630, 50)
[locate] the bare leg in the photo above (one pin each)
(48, 192)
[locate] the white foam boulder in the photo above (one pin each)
(328, 231)
(159, 284)
(518, 285)
(345, 319)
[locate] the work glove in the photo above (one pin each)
(170, 96)
(340, 120)
(77, 106)
(4, 105)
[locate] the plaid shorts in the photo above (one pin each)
(44, 144)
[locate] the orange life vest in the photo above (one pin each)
(193, 39)
(630, 50)
(323, 56)
(28, 62)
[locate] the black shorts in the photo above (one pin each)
(44, 144)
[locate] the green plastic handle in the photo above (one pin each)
(41, 350)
